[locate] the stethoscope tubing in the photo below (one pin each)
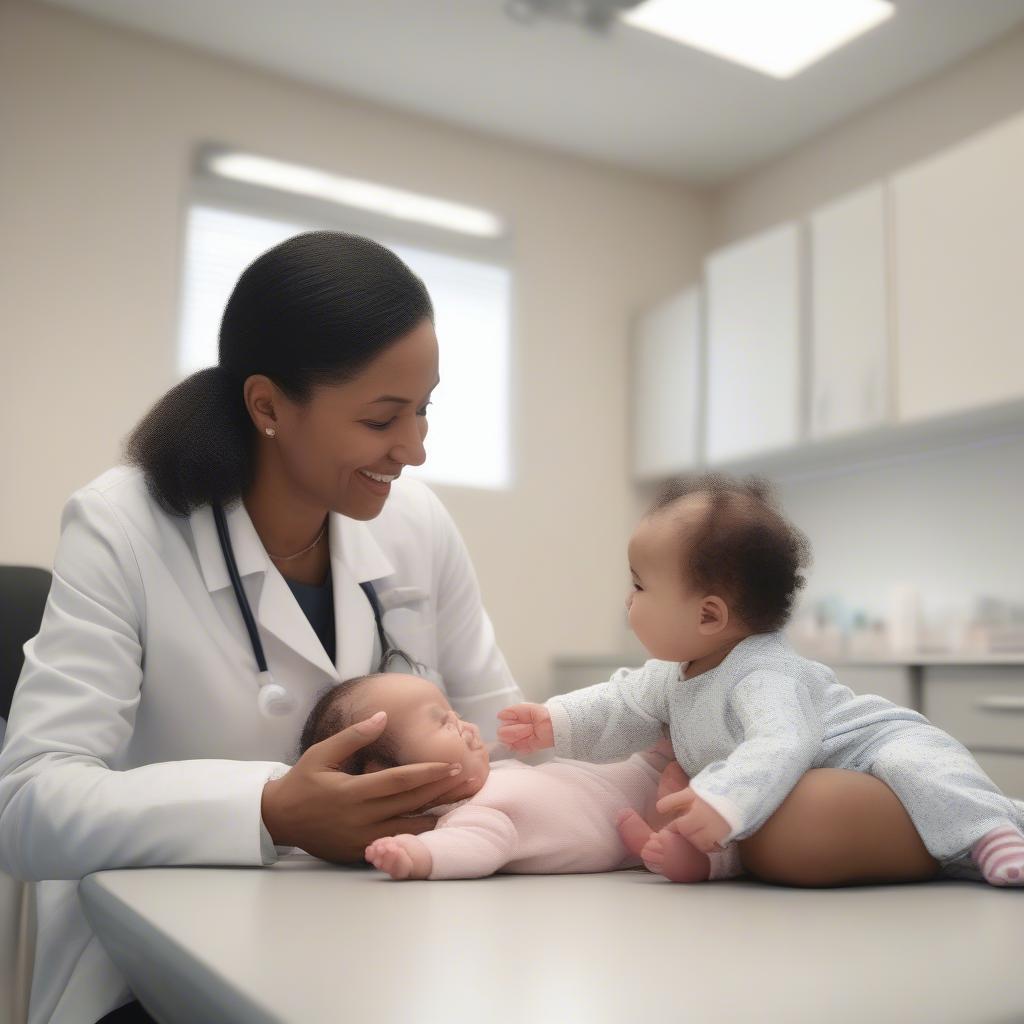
(236, 585)
(388, 650)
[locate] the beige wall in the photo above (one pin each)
(98, 128)
(961, 101)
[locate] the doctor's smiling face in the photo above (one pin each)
(346, 442)
(421, 727)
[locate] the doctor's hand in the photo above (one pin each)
(335, 816)
(527, 728)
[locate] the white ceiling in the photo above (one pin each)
(629, 97)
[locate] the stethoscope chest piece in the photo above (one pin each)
(273, 699)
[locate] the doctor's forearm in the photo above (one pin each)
(63, 819)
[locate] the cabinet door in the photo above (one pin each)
(958, 233)
(753, 318)
(666, 387)
(849, 332)
(889, 681)
(981, 705)
(1005, 770)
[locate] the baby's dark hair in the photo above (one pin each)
(745, 549)
(335, 711)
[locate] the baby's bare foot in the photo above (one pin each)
(668, 853)
(402, 857)
(633, 830)
(673, 780)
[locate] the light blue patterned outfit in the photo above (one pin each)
(747, 730)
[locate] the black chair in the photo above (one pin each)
(23, 593)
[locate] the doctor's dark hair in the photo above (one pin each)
(335, 711)
(744, 550)
(316, 309)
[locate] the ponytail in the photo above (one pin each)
(196, 443)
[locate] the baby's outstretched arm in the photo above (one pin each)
(601, 723)
(474, 841)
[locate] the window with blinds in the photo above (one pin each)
(468, 442)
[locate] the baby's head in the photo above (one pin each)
(421, 727)
(713, 561)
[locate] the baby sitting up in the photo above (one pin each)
(715, 567)
(508, 816)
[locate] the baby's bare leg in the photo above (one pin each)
(668, 853)
(664, 851)
(838, 827)
(633, 828)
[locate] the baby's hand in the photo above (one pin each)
(404, 856)
(698, 821)
(528, 728)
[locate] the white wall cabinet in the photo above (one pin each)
(849, 315)
(752, 291)
(914, 321)
(666, 387)
(958, 234)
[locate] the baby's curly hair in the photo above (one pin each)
(745, 549)
(335, 711)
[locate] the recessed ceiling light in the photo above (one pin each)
(365, 195)
(777, 37)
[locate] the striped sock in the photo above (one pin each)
(1000, 855)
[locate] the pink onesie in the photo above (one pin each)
(553, 818)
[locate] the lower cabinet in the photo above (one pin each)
(1005, 770)
(983, 707)
(890, 681)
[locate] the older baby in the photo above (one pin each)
(507, 816)
(715, 567)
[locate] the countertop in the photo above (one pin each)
(304, 941)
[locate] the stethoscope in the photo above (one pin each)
(273, 699)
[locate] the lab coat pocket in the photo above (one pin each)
(412, 626)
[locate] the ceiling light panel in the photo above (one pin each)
(777, 37)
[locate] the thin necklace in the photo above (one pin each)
(288, 558)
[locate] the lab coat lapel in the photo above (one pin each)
(280, 614)
(275, 609)
(249, 553)
(355, 558)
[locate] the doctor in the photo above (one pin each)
(258, 547)
(143, 730)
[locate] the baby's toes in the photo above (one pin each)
(654, 850)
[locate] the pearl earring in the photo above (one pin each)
(270, 432)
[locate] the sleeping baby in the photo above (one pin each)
(715, 567)
(507, 816)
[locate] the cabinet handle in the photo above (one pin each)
(1000, 704)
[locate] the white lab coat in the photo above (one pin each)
(135, 738)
